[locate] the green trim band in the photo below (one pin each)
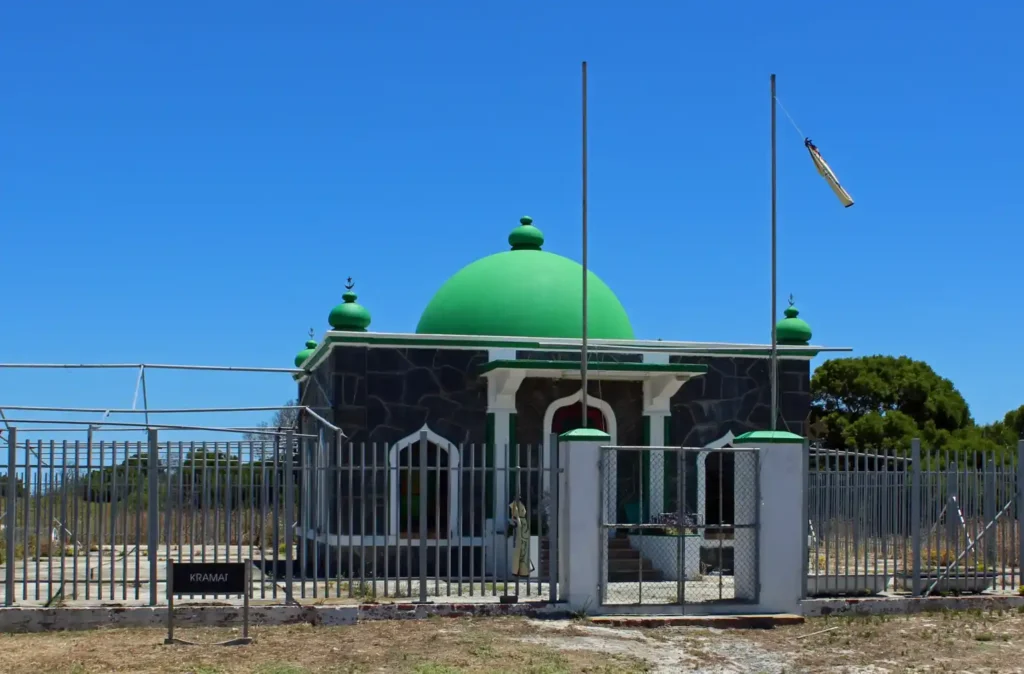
(770, 437)
(585, 435)
(666, 368)
(372, 340)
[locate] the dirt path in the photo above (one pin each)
(945, 642)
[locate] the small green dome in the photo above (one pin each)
(524, 292)
(348, 315)
(792, 330)
(304, 355)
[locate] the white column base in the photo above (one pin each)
(782, 519)
(582, 548)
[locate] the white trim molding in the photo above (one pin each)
(658, 392)
(453, 485)
(501, 390)
(592, 401)
(549, 418)
(702, 476)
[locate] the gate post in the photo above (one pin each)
(9, 514)
(1020, 506)
(153, 517)
(584, 516)
(915, 514)
(776, 571)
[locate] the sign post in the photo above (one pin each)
(192, 578)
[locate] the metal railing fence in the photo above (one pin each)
(921, 524)
(97, 521)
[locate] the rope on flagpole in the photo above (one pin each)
(790, 117)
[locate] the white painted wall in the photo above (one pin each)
(663, 553)
(580, 546)
(782, 527)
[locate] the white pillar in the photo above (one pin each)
(501, 402)
(581, 547)
(656, 495)
(783, 519)
(658, 392)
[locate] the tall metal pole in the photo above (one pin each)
(775, 345)
(583, 348)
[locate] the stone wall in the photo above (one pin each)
(735, 395)
(382, 395)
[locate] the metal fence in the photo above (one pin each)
(921, 524)
(317, 518)
(680, 525)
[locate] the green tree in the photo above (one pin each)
(883, 402)
(1014, 422)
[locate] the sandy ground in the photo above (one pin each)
(942, 642)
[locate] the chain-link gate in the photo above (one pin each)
(680, 525)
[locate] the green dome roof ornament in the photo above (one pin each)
(792, 331)
(348, 315)
(526, 236)
(304, 355)
(525, 292)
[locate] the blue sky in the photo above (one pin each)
(192, 182)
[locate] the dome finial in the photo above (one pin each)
(304, 355)
(791, 311)
(792, 330)
(348, 315)
(526, 236)
(348, 295)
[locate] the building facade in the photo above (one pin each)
(491, 375)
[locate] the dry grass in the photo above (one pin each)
(841, 552)
(437, 646)
(938, 642)
(130, 523)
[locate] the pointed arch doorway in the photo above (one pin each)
(566, 414)
(570, 417)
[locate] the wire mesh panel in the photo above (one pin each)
(680, 525)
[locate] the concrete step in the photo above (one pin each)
(634, 577)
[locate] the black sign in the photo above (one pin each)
(208, 578)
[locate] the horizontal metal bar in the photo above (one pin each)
(97, 428)
(182, 410)
(638, 448)
(170, 427)
(324, 421)
(126, 366)
(668, 348)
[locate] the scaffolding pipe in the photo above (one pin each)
(324, 421)
(170, 427)
(132, 366)
(135, 429)
(738, 348)
(181, 410)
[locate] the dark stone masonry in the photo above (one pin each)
(381, 395)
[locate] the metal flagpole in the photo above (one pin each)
(583, 348)
(775, 345)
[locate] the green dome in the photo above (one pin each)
(524, 292)
(792, 330)
(304, 355)
(348, 315)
